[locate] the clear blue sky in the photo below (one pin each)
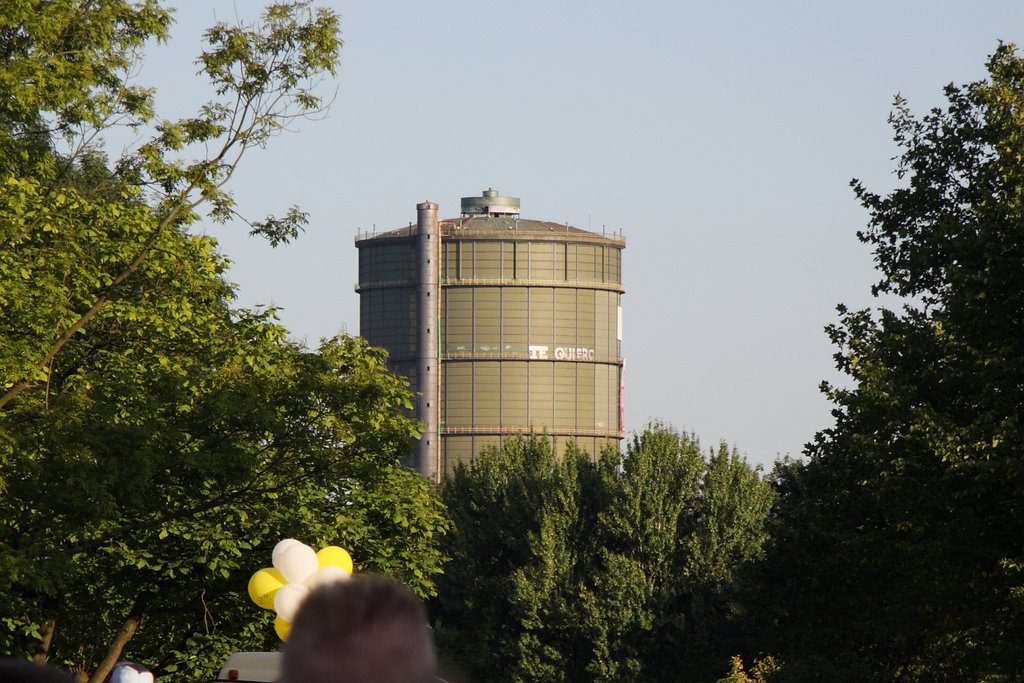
(719, 137)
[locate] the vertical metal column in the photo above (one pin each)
(427, 338)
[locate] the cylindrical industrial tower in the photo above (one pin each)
(428, 251)
(530, 327)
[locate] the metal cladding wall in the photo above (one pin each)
(531, 329)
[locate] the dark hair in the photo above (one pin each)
(368, 628)
(24, 671)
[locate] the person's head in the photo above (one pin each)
(364, 630)
(14, 670)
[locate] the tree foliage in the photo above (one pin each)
(899, 551)
(64, 83)
(155, 441)
(613, 569)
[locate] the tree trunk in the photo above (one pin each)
(121, 638)
(42, 654)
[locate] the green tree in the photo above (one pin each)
(155, 443)
(899, 540)
(613, 569)
(513, 513)
(163, 464)
(75, 232)
(653, 515)
(728, 534)
(63, 76)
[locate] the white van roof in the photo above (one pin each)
(251, 667)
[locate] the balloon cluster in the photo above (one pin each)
(297, 570)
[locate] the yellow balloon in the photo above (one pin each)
(263, 585)
(333, 556)
(282, 628)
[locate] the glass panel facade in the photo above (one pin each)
(387, 318)
(586, 324)
(542, 261)
(615, 316)
(566, 392)
(521, 266)
(528, 342)
(560, 260)
(457, 398)
(487, 260)
(542, 316)
(487, 394)
(387, 262)
(613, 265)
(541, 395)
(452, 261)
(585, 262)
(603, 333)
(515, 320)
(457, 330)
(601, 397)
(585, 396)
(487, 320)
(508, 260)
(507, 321)
(565, 318)
(514, 393)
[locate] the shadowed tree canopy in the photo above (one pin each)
(899, 547)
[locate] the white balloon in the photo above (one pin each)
(325, 575)
(287, 600)
(279, 550)
(130, 672)
(297, 562)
